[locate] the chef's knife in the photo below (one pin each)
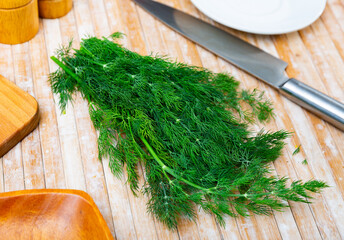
(249, 58)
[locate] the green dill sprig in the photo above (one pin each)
(185, 124)
(297, 150)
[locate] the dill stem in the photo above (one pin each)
(208, 190)
(66, 69)
(167, 169)
(132, 135)
(85, 50)
(94, 62)
(70, 72)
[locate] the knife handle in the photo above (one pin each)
(320, 104)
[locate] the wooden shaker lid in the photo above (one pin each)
(9, 4)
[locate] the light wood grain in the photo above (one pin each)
(48, 129)
(54, 8)
(68, 136)
(62, 151)
(30, 146)
(18, 21)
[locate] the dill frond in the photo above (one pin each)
(182, 123)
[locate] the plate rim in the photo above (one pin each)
(248, 30)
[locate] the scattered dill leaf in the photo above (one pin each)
(297, 150)
(185, 124)
(304, 162)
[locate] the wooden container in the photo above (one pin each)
(19, 21)
(54, 8)
(51, 214)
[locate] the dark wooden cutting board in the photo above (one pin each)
(18, 115)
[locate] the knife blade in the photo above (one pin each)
(249, 58)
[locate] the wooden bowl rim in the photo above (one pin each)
(79, 193)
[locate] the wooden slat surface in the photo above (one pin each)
(62, 151)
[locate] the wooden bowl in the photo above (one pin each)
(19, 21)
(50, 214)
(54, 8)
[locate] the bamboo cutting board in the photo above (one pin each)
(18, 115)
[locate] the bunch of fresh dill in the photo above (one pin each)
(185, 124)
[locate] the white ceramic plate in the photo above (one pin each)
(263, 16)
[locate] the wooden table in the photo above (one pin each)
(62, 151)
